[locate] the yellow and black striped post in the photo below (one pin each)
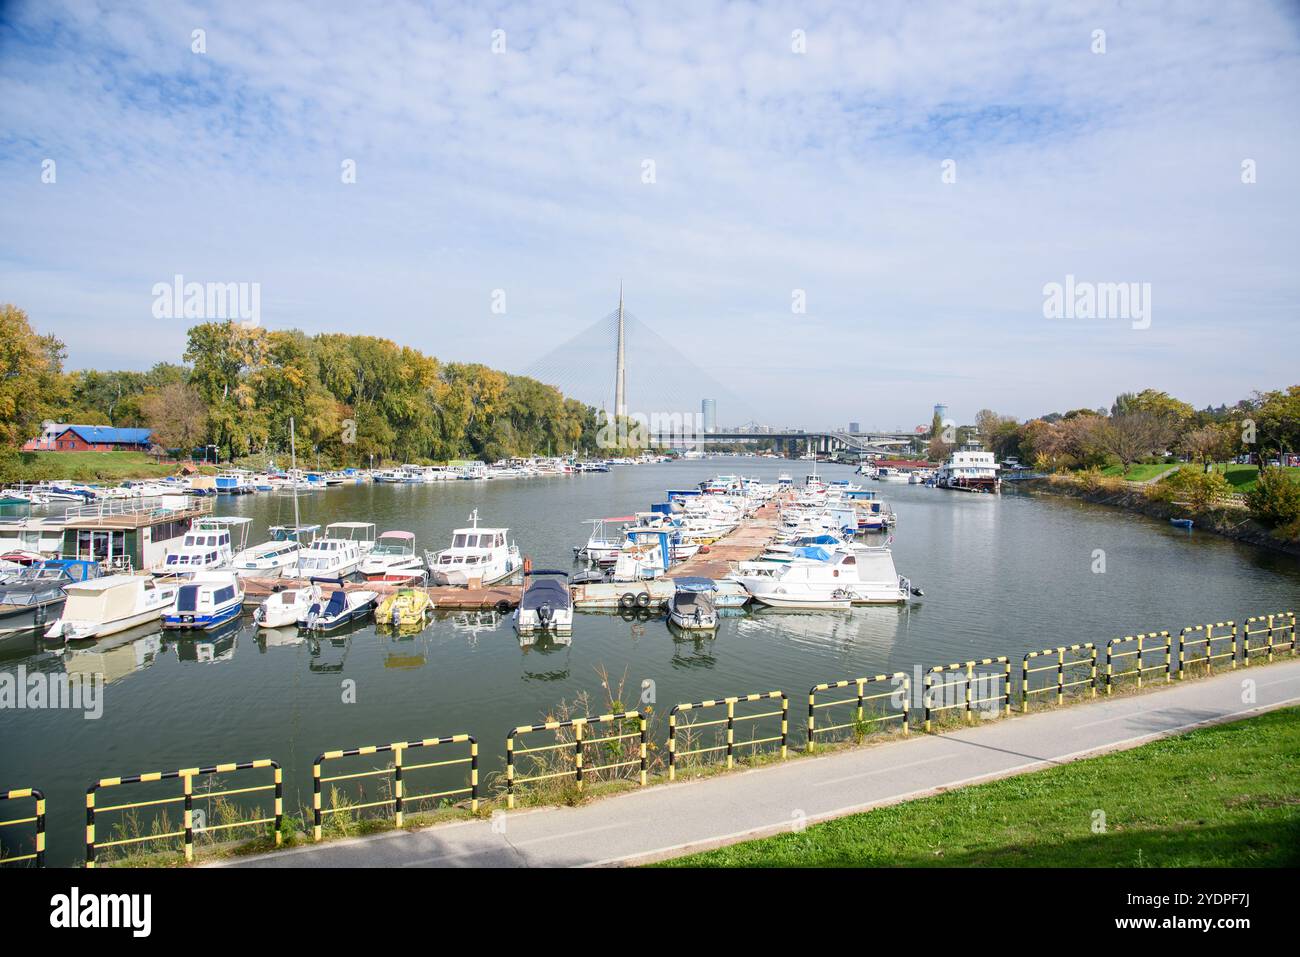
(37, 819)
(580, 766)
(1059, 665)
(185, 776)
(903, 684)
(401, 797)
(728, 723)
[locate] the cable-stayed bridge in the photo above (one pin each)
(664, 385)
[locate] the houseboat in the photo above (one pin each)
(129, 534)
(969, 469)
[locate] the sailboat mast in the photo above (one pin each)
(293, 477)
(620, 394)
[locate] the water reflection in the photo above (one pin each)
(210, 647)
(118, 655)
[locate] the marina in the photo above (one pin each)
(466, 665)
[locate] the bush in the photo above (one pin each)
(1275, 499)
(1198, 490)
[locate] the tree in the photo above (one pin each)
(176, 415)
(1132, 435)
(1275, 499)
(31, 381)
(1209, 444)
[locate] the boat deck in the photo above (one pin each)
(744, 544)
(444, 596)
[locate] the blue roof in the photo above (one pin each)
(816, 553)
(105, 433)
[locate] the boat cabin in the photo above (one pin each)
(126, 534)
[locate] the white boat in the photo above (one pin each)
(206, 601)
(210, 544)
(482, 555)
(546, 605)
(336, 554)
(692, 607)
(338, 608)
(277, 557)
(854, 575)
(283, 608)
(969, 469)
(602, 546)
(393, 559)
(105, 606)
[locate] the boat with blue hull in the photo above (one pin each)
(206, 602)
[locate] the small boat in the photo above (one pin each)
(341, 607)
(105, 606)
(691, 607)
(284, 606)
(207, 546)
(405, 608)
(32, 596)
(482, 555)
(546, 605)
(1181, 522)
(393, 559)
(277, 557)
(847, 575)
(206, 601)
(338, 553)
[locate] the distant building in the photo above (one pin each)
(942, 412)
(709, 412)
(855, 428)
(62, 437)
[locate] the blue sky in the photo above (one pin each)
(775, 171)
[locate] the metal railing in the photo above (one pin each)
(575, 749)
(186, 776)
(1207, 638)
(400, 798)
(729, 722)
(1058, 665)
(901, 686)
(1141, 648)
(965, 672)
(37, 819)
(1281, 623)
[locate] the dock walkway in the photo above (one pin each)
(665, 820)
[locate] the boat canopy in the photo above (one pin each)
(544, 591)
(814, 552)
(695, 583)
(409, 536)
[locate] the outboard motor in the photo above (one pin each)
(545, 614)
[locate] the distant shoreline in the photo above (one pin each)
(1229, 523)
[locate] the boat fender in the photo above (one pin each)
(626, 600)
(502, 606)
(643, 600)
(917, 592)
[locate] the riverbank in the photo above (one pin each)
(1234, 523)
(1228, 800)
(672, 819)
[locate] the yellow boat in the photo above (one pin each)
(405, 608)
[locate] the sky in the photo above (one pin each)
(914, 175)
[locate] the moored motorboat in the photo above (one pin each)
(284, 606)
(856, 575)
(691, 607)
(482, 555)
(546, 604)
(405, 608)
(393, 559)
(338, 608)
(206, 601)
(105, 606)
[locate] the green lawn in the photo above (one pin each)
(1138, 472)
(92, 466)
(1243, 477)
(1222, 796)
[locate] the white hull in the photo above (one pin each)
(72, 630)
(526, 622)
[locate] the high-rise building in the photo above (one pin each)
(942, 412)
(855, 428)
(709, 412)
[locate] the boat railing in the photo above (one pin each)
(120, 507)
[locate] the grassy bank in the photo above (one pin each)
(1226, 796)
(89, 467)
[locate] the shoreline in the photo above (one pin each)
(1226, 522)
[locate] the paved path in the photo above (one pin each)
(667, 819)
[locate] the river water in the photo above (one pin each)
(1001, 575)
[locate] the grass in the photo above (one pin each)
(91, 466)
(1228, 795)
(1138, 472)
(1243, 477)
